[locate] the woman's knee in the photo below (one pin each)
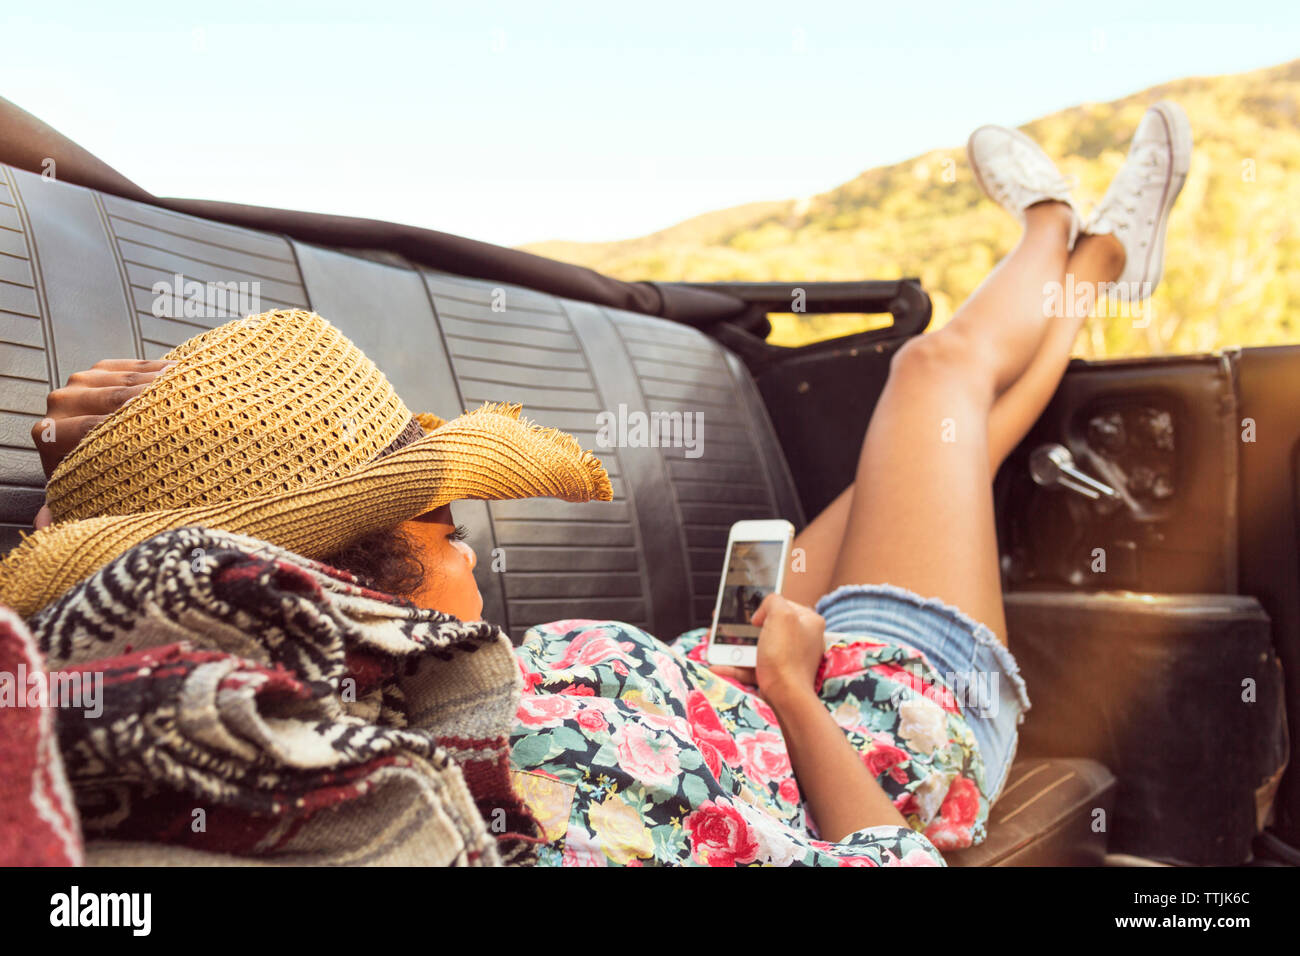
(929, 356)
(948, 355)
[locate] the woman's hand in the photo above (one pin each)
(842, 793)
(88, 398)
(790, 648)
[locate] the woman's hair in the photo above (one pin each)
(387, 559)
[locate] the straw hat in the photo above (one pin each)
(278, 427)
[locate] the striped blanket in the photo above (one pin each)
(258, 707)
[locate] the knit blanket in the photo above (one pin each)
(38, 817)
(257, 706)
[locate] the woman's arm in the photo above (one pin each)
(841, 791)
(842, 794)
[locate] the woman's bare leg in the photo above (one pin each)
(1000, 343)
(1095, 259)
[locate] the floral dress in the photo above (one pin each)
(632, 752)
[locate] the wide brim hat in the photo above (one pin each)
(278, 427)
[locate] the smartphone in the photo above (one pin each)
(757, 554)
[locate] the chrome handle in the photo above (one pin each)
(1052, 465)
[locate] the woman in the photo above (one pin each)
(633, 752)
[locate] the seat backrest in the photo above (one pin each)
(82, 271)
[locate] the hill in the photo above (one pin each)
(1232, 272)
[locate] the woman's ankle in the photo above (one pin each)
(1096, 259)
(1051, 215)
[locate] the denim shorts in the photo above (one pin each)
(968, 656)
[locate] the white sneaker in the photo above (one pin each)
(1135, 209)
(1015, 173)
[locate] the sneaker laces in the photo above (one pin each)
(1028, 168)
(1141, 171)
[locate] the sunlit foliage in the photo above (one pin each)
(1232, 273)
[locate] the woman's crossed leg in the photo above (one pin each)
(920, 512)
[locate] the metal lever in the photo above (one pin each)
(1052, 465)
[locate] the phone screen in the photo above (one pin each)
(752, 574)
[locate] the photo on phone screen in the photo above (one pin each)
(752, 574)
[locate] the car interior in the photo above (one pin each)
(1150, 548)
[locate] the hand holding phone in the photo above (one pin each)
(791, 643)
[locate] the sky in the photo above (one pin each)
(514, 122)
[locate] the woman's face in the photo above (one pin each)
(449, 561)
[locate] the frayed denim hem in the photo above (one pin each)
(980, 632)
(953, 643)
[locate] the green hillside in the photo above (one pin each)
(1233, 263)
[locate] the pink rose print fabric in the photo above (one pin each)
(634, 753)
